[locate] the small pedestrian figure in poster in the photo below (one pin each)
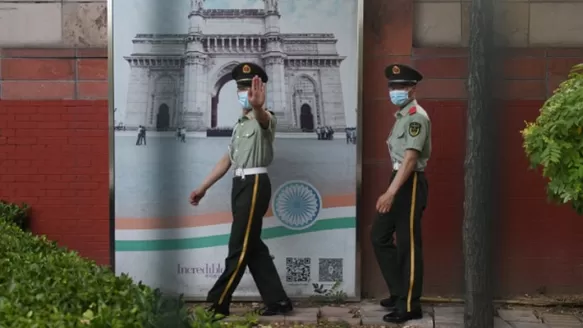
(348, 136)
(250, 153)
(329, 133)
(183, 134)
(141, 135)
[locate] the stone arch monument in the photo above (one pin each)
(191, 69)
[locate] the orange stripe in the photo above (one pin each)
(210, 219)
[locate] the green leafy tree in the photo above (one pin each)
(554, 141)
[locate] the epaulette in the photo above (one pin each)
(412, 110)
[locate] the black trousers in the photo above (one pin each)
(402, 264)
(250, 198)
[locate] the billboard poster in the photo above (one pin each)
(175, 108)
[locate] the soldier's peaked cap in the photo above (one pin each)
(402, 74)
(244, 73)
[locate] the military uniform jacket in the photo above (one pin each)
(252, 145)
(412, 130)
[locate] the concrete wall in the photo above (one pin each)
(53, 131)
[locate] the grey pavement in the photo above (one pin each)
(435, 316)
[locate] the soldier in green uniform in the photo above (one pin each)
(400, 208)
(250, 153)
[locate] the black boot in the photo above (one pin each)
(278, 308)
(398, 316)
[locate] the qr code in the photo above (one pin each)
(297, 269)
(330, 270)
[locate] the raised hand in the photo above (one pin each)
(256, 94)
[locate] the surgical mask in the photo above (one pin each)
(244, 99)
(399, 97)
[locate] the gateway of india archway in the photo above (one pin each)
(176, 79)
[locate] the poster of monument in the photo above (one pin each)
(175, 108)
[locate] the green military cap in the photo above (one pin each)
(402, 74)
(244, 73)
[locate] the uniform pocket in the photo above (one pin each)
(245, 140)
(248, 134)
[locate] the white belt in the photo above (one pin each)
(396, 166)
(250, 171)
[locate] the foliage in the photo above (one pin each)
(333, 295)
(43, 285)
(204, 319)
(555, 141)
(15, 214)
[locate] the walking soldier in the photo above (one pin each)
(250, 152)
(400, 208)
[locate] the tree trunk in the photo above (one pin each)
(479, 167)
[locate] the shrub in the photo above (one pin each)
(15, 214)
(45, 286)
(555, 141)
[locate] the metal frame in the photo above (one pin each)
(359, 144)
(111, 134)
(359, 140)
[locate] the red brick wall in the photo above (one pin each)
(538, 246)
(54, 143)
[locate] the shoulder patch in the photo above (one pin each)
(414, 129)
(412, 110)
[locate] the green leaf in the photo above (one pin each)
(554, 141)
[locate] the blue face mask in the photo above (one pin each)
(399, 97)
(244, 99)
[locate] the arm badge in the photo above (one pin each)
(414, 129)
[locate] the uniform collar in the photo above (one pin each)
(248, 116)
(403, 111)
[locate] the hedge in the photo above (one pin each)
(43, 285)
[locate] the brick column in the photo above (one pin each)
(388, 35)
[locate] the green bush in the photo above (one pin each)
(15, 214)
(555, 141)
(45, 286)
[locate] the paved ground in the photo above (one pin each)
(438, 316)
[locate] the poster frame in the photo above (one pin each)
(359, 139)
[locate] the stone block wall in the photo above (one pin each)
(518, 23)
(49, 23)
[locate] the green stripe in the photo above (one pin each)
(222, 240)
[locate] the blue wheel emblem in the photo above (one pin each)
(297, 204)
